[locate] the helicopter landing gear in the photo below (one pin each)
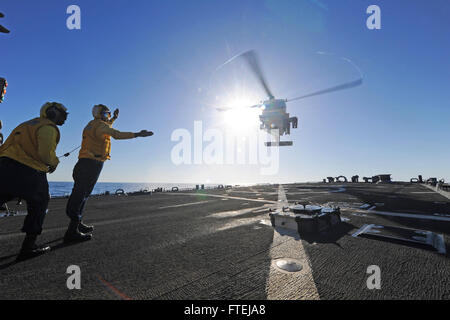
(294, 122)
(278, 143)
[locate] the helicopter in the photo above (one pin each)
(273, 111)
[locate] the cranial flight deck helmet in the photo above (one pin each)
(48, 110)
(99, 110)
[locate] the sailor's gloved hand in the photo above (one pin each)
(116, 114)
(144, 133)
(51, 169)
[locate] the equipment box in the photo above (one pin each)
(306, 219)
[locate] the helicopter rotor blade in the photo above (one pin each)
(253, 62)
(343, 86)
(223, 109)
(228, 109)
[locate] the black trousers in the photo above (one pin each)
(20, 181)
(85, 176)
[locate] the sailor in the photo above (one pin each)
(25, 158)
(95, 150)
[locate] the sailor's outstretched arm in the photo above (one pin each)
(119, 135)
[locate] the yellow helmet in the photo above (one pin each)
(99, 109)
(48, 105)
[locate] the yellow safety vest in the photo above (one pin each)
(22, 143)
(92, 146)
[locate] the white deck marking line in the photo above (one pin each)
(185, 204)
(221, 196)
(295, 286)
(422, 192)
(401, 214)
(363, 229)
(238, 212)
(240, 222)
(410, 215)
(255, 193)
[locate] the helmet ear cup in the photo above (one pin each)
(51, 114)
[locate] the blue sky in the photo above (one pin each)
(155, 61)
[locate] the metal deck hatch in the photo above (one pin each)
(420, 238)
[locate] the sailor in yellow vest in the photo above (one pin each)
(25, 158)
(95, 150)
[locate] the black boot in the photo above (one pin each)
(85, 228)
(74, 235)
(30, 249)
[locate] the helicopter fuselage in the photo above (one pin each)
(274, 116)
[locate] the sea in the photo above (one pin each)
(61, 189)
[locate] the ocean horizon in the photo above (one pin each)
(64, 188)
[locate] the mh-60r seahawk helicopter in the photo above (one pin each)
(274, 116)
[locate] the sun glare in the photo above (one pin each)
(240, 118)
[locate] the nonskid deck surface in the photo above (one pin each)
(219, 244)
